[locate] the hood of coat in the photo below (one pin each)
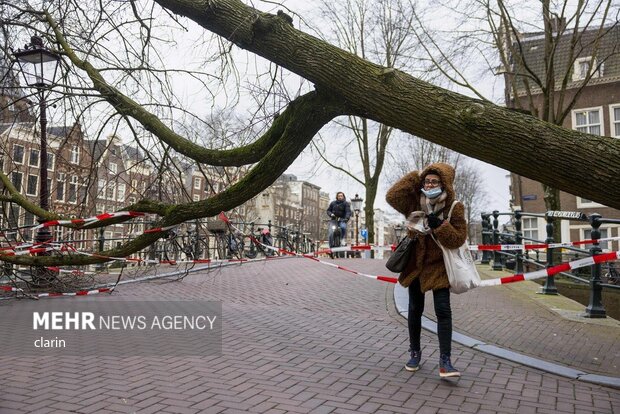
(446, 172)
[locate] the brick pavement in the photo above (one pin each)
(298, 337)
(514, 317)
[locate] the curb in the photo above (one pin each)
(401, 301)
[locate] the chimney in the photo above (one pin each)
(558, 24)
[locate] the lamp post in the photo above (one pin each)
(39, 66)
(398, 232)
(356, 203)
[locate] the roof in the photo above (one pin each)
(533, 47)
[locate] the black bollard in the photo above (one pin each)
(595, 307)
(497, 260)
(549, 287)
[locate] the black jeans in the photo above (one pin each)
(441, 298)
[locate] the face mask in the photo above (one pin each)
(433, 192)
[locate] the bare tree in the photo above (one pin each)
(344, 84)
(380, 31)
(538, 48)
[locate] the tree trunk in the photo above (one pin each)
(522, 144)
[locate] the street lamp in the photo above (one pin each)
(356, 204)
(39, 66)
(398, 232)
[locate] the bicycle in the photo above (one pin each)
(336, 237)
(612, 276)
(258, 242)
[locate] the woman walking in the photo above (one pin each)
(425, 197)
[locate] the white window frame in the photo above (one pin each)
(50, 164)
(120, 192)
(601, 123)
(613, 122)
(197, 183)
(60, 183)
(196, 197)
(23, 154)
(73, 183)
(74, 156)
(585, 203)
(530, 229)
(35, 185)
(113, 167)
(605, 232)
(37, 159)
(577, 72)
(21, 180)
(111, 187)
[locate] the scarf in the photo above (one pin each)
(416, 221)
(433, 205)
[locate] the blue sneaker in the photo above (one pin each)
(445, 367)
(414, 362)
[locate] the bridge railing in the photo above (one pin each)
(520, 261)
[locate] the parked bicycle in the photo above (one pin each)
(177, 244)
(261, 238)
(612, 276)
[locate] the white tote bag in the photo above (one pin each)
(460, 266)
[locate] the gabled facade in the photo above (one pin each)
(596, 111)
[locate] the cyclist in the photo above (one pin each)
(339, 210)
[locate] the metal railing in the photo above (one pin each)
(518, 260)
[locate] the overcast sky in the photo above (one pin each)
(495, 179)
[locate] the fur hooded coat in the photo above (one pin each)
(426, 261)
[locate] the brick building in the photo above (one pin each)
(596, 111)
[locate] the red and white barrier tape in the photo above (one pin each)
(575, 264)
(89, 220)
(389, 279)
(56, 294)
(482, 247)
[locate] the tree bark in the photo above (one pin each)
(561, 158)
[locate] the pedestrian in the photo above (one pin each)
(339, 210)
(425, 197)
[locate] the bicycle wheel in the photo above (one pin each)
(172, 251)
(336, 241)
(251, 252)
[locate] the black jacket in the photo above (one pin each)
(341, 209)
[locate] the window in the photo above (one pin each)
(18, 154)
(28, 221)
(583, 67)
(34, 158)
(100, 208)
(121, 192)
(113, 168)
(131, 200)
(196, 197)
(588, 120)
(585, 203)
(111, 191)
(74, 156)
(101, 187)
(60, 187)
(31, 186)
(50, 161)
(16, 179)
(614, 117)
(587, 234)
(134, 184)
(530, 229)
(72, 191)
(197, 183)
